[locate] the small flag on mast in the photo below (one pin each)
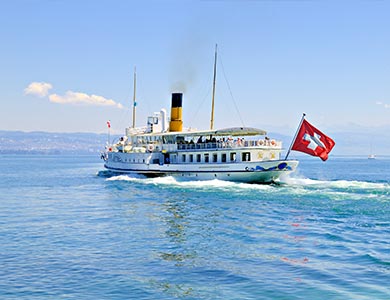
(108, 124)
(312, 141)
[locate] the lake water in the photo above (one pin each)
(67, 233)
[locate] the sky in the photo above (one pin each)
(67, 66)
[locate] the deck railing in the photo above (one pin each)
(236, 144)
(264, 144)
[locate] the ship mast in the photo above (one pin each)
(212, 101)
(134, 102)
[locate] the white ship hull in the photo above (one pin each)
(249, 172)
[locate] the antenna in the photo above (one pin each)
(134, 91)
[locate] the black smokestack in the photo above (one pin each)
(176, 123)
(177, 99)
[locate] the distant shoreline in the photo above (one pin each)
(42, 143)
(97, 154)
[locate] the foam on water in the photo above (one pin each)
(332, 190)
(343, 184)
(169, 180)
(123, 178)
(336, 190)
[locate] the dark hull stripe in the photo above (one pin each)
(190, 172)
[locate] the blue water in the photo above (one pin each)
(67, 233)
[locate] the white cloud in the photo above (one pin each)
(385, 105)
(40, 89)
(81, 98)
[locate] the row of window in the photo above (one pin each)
(246, 156)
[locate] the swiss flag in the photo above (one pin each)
(108, 124)
(312, 141)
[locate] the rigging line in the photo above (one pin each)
(200, 105)
(208, 91)
(126, 114)
(122, 118)
(230, 91)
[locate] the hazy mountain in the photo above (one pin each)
(51, 143)
(352, 141)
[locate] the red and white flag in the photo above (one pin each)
(312, 141)
(108, 124)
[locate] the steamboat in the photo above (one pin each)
(164, 148)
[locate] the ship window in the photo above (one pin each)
(246, 156)
(180, 139)
(215, 157)
(206, 158)
(183, 158)
(191, 158)
(223, 157)
(233, 156)
(198, 158)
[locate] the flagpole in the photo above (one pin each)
(108, 132)
(295, 136)
(134, 90)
